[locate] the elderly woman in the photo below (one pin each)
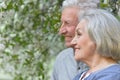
(97, 43)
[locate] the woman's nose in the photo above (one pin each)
(73, 42)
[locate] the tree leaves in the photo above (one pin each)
(30, 34)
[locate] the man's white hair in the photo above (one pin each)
(81, 3)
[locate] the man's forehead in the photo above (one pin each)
(69, 12)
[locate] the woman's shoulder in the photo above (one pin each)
(110, 73)
(112, 69)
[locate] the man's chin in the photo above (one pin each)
(68, 45)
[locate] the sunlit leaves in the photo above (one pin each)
(28, 37)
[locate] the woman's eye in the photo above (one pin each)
(78, 33)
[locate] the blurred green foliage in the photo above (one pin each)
(29, 36)
(112, 6)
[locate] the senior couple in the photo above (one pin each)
(92, 36)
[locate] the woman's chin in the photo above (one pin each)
(77, 58)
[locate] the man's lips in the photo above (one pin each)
(68, 38)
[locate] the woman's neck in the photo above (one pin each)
(100, 63)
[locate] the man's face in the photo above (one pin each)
(69, 19)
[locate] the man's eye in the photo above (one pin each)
(67, 22)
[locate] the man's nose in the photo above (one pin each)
(62, 29)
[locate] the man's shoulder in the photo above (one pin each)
(68, 52)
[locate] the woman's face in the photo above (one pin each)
(83, 45)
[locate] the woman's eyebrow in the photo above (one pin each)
(78, 29)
